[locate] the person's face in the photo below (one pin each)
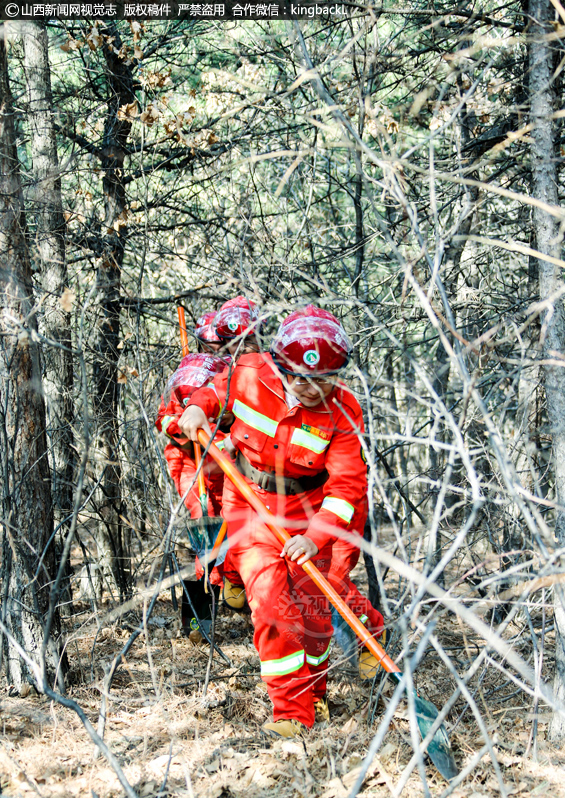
(207, 347)
(249, 345)
(310, 391)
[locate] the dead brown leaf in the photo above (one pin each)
(66, 300)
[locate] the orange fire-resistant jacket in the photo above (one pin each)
(297, 442)
(182, 466)
(167, 420)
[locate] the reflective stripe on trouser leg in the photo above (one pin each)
(283, 665)
(319, 670)
(318, 660)
(318, 628)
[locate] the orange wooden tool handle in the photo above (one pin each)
(269, 519)
(201, 484)
(183, 332)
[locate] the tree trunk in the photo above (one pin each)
(27, 518)
(544, 187)
(54, 320)
(112, 540)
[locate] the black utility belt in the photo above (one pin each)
(285, 486)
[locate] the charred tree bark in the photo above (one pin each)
(551, 287)
(113, 538)
(28, 562)
(49, 230)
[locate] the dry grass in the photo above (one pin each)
(171, 740)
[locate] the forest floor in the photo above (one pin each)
(172, 741)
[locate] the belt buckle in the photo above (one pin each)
(291, 487)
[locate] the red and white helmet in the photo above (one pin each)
(311, 341)
(205, 329)
(193, 372)
(236, 317)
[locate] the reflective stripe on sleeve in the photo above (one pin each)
(339, 507)
(312, 442)
(363, 618)
(165, 423)
(213, 387)
(255, 419)
(318, 660)
(284, 665)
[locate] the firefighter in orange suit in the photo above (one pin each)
(236, 323)
(297, 437)
(193, 372)
(235, 318)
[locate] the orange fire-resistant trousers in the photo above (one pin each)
(290, 615)
(182, 469)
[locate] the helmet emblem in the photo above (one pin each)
(232, 325)
(311, 357)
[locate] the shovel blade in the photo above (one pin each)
(202, 533)
(439, 749)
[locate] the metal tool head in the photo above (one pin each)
(202, 533)
(439, 749)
